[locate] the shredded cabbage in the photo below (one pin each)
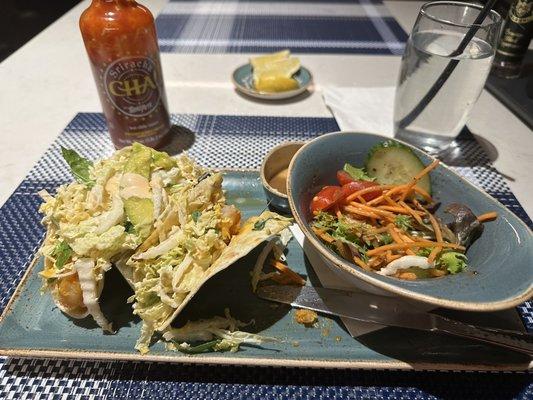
(88, 283)
(223, 328)
(405, 262)
(162, 221)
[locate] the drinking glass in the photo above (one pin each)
(433, 123)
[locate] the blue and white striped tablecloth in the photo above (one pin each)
(341, 27)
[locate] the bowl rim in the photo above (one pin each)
(270, 153)
(391, 287)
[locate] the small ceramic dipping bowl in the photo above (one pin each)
(274, 174)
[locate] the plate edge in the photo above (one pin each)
(21, 284)
(263, 362)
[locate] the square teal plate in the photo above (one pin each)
(32, 326)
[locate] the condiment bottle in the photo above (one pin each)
(121, 42)
(514, 42)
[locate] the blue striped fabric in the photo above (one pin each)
(349, 27)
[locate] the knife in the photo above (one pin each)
(390, 312)
(328, 278)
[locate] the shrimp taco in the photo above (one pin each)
(162, 221)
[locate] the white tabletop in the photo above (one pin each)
(46, 82)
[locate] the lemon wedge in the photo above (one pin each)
(273, 72)
(261, 61)
(286, 68)
(275, 83)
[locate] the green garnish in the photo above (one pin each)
(206, 347)
(404, 222)
(196, 215)
(358, 174)
(386, 238)
(260, 224)
(79, 166)
(424, 252)
(62, 253)
(129, 227)
(453, 261)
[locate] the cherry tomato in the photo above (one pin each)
(355, 186)
(344, 177)
(326, 198)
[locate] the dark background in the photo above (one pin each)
(20, 20)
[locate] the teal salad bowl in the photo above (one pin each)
(500, 271)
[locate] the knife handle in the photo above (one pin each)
(521, 342)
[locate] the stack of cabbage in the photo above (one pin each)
(162, 221)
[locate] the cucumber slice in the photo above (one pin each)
(392, 163)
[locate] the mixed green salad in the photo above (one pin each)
(382, 217)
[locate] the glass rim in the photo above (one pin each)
(423, 11)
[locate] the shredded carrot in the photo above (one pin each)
(375, 262)
(399, 210)
(436, 227)
(372, 209)
(434, 253)
(389, 200)
(354, 210)
(419, 176)
(380, 230)
(397, 246)
(361, 263)
(394, 234)
(394, 189)
(412, 212)
(419, 206)
(490, 216)
(386, 195)
(391, 257)
(293, 276)
(405, 237)
(323, 235)
(361, 199)
(370, 189)
(423, 193)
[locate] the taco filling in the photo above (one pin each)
(162, 221)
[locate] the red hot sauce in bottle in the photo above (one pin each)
(121, 42)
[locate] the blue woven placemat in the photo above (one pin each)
(340, 27)
(236, 142)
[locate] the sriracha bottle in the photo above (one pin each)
(121, 42)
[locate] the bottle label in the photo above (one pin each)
(132, 85)
(516, 33)
(520, 12)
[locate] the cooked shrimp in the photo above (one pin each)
(231, 219)
(70, 293)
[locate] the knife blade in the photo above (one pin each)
(391, 312)
(329, 279)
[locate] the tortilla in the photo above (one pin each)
(240, 245)
(248, 238)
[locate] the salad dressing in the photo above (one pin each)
(279, 181)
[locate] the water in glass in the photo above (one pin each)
(426, 56)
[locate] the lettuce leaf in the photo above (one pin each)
(358, 174)
(453, 261)
(79, 166)
(62, 253)
(404, 222)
